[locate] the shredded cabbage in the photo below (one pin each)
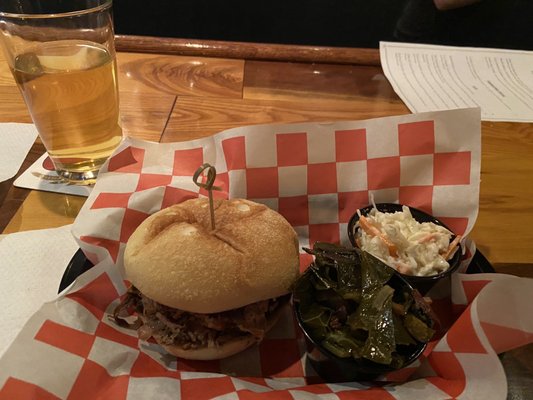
(420, 247)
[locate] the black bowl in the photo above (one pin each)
(422, 283)
(332, 368)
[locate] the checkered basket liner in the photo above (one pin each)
(316, 175)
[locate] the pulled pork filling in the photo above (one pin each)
(170, 326)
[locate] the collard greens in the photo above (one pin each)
(347, 304)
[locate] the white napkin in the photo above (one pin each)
(16, 140)
(31, 266)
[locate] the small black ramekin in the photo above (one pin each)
(332, 368)
(422, 283)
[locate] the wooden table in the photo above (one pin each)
(206, 87)
(174, 90)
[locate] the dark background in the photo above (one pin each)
(344, 23)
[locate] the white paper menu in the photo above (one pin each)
(429, 78)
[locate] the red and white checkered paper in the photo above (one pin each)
(317, 175)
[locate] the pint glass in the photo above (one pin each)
(62, 56)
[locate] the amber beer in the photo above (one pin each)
(70, 88)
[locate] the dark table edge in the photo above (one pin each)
(247, 50)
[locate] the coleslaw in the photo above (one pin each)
(400, 241)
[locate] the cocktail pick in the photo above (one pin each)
(208, 185)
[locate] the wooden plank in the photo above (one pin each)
(199, 117)
(269, 80)
(6, 78)
(13, 109)
(12, 106)
(191, 76)
(56, 209)
(502, 230)
(145, 115)
(11, 197)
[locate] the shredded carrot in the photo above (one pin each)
(451, 248)
(371, 230)
(368, 227)
(428, 237)
(403, 269)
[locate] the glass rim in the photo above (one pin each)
(106, 4)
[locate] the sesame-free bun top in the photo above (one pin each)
(174, 258)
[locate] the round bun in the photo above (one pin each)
(175, 259)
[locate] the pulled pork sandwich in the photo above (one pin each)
(207, 293)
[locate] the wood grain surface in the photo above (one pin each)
(174, 90)
(188, 76)
(502, 230)
(313, 81)
(170, 92)
(276, 92)
(246, 51)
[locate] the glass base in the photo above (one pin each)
(78, 178)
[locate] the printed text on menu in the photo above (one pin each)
(429, 78)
